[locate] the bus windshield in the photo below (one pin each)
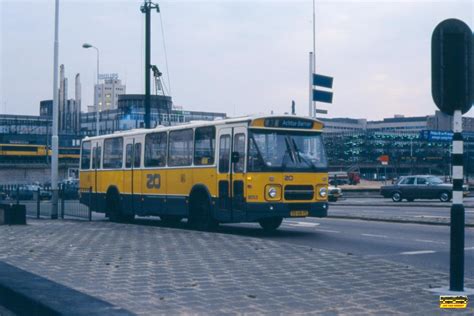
(276, 150)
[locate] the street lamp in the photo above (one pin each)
(97, 113)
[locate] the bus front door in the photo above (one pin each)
(98, 201)
(231, 173)
(132, 177)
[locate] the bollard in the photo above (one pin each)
(61, 196)
(17, 195)
(90, 204)
(38, 203)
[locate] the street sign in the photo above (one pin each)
(322, 81)
(322, 96)
(384, 159)
(452, 66)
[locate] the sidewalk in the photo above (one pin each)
(153, 270)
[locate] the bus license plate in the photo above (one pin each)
(298, 213)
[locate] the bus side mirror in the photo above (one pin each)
(235, 157)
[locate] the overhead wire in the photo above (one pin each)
(166, 53)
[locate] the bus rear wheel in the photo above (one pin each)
(114, 208)
(270, 224)
(200, 215)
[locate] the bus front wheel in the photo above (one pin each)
(270, 224)
(200, 215)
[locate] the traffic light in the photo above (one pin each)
(452, 66)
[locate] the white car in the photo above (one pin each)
(334, 193)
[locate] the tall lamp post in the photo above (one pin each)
(54, 136)
(97, 113)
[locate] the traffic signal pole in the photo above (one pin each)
(456, 267)
(452, 88)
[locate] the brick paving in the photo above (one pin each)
(154, 270)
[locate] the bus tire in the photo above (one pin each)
(200, 215)
(270, 224)
(114, 208)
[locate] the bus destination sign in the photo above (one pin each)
(288, 123)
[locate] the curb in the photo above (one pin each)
(392, 220)
(25, 293)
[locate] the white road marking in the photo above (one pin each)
(302, 224)
(419, 252)
(371, 235)
(328, 231)
(431, 241)
(431, 216)
(469, 248)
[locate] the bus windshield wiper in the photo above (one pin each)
(289, 150)
(300, 157)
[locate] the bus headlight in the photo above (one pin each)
(323, 192)
(272, 192)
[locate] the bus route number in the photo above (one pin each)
(153, 181)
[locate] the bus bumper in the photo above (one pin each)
(257, 211)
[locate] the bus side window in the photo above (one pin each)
(86, 156)
(224, 153)
(137, 155)
(96, 157)
(204, 144)
(128, 156)
(180, 152)
(155, 149)
(239, 146)
(113, 153)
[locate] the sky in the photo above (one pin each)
(235, 56)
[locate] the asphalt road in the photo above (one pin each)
(405, 210)
(421, 246)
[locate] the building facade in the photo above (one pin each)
(106, 94)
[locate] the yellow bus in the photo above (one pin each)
(251, 169)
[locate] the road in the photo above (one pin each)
(421, 246)
(411, 211)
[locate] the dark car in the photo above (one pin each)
(419, 187)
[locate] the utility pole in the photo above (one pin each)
(55, 137)
(310, 107)
(146, 8)
(314, 56)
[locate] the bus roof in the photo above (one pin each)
(255, 121)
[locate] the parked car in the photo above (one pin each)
(70, 189)
(419, 187)
(334, 193)
(29, 192)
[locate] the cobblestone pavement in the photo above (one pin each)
(155, 270)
